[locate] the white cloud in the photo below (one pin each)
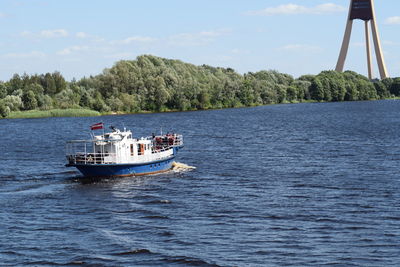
(70, 50)
(26, 34)
(33, 54)
(195, 39)
(134, 39)
(301, 48)
(2, 15)
(390, 43)
(293, 9)
(54, 33)
(393, 20)
(92, 38)
(81, 35)
(46, 34)
(237, 51)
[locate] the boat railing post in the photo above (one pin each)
(94, 150)
(73, 151)
(85, 154)
(102, 151)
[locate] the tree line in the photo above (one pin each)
(151, 83)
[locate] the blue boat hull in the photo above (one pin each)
(106, 170)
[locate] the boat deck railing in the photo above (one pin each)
(83, 151)
(168, 140)
(91, 158)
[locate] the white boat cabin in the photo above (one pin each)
(119, 147)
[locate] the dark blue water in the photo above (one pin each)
(283, 185)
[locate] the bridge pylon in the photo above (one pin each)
(363, 10)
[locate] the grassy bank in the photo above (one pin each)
(92, 113)
(53, 113)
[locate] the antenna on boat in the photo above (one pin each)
(161, 130)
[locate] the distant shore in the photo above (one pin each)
(32, 114)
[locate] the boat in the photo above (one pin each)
(118, 153)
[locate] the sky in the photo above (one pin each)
(83, 37)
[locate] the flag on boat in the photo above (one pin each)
(97, 126)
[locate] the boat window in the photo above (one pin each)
(132, 150)
(140, 149)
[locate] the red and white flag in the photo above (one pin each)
(97, 126)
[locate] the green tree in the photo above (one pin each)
(352, 93)
(129, 103)
(303, 89)
(45, 102)
(115, 104)
(281, 92)
(86, 100)
(317, 90)
(36, 88)
(307, 78)
(291, 93)
(29, 100)
(14, 83)
(4, 110)
(395, 87)
(161, 94)
(67, 99)
(59, 82)
(3, 90)
(388, 83)
(99, 104)
(247, 94)
(49, 84)
(203, 99)
(13, 102)
(381, 90)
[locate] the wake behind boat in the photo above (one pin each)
(117, 153)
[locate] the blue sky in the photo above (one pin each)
(81, 38)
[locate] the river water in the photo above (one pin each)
(282, 185)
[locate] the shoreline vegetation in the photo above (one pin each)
(152, 84)
(30, 114)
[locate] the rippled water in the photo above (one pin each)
(283, 185)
